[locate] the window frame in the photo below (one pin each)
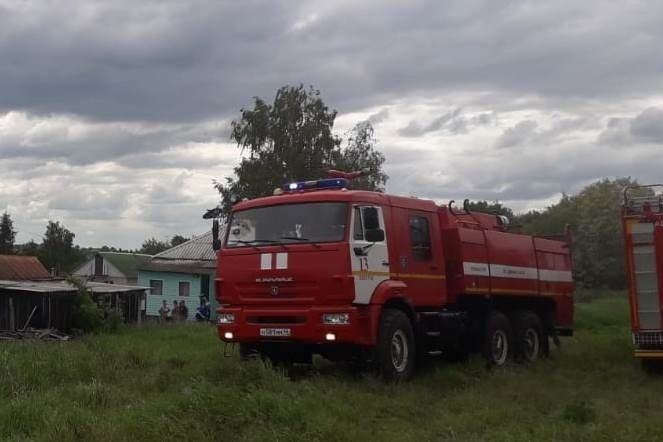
(425, 247)
(152, 288)
(179, 288)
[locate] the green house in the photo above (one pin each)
(183, 273)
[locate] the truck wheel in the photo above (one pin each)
(497, 339)
(395, 351)
(528, 336)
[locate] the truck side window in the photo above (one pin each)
(358, 227)
(420, 238)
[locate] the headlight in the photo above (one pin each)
(226, 318)
(336, 318)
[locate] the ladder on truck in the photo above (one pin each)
(643, 228)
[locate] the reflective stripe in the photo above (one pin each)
(516, 272)
(476, 269)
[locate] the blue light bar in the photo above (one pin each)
(330, 183)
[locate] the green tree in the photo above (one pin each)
(57, 249)
(177, 240)
(359, 153)
(7, 234)
(292, 140)
(152, 246)
(30, 248)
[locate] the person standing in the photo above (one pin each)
(184, 311)
(164, 312)
(175, 313)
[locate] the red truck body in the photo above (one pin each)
(642, 221)
(292, 261)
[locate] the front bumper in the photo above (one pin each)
(305, 324)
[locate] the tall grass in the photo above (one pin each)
(174, 383)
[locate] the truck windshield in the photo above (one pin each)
(288, 224)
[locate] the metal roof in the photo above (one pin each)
(18, 268)
(62, 286)
(127, 263)
(198, 248)
(193, 256)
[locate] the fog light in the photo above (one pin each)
(336, 318)
(228, 335)
(330, 337)
(226, 318)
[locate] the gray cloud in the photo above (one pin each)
(174, 61)
(646, 127)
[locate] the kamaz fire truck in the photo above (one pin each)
(366, 276)
(642, 220)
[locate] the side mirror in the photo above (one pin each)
(216, 243)
(374, 235)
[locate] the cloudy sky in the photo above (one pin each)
(114, 115)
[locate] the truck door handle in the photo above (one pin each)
(385, 263)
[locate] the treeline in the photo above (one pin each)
(593, 215)
(57, 251)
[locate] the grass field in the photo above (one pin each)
(174, 383)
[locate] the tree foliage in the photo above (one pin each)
(57, 249)
(7, 235)
(176, 240)
(152, 246)
(292, 139)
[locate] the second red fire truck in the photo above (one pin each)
(366, 276)
(642, 221)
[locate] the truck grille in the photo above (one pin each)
(648, 340)
(276, 319)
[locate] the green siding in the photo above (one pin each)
(171, 291)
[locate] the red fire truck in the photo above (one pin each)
(366, 276)
(642, 221)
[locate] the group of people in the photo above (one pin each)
(179, 312)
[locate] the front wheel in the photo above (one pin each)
(395, 347)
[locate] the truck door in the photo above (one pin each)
(420, 260)
(368, 251)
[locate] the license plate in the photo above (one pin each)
(275, 332)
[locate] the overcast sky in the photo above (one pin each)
(114, 115)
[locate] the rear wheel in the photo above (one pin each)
(395, 351)
(497, 339)
(529, 337)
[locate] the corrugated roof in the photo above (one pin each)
(198, 248)
(193, 256)
(127, 263)
(62, 286)
(19, 268)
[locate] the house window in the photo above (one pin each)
(420, 238)
(156, 287)
(185, 288)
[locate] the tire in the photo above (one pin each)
(530, 341)
(395, 350)
(498, 341)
